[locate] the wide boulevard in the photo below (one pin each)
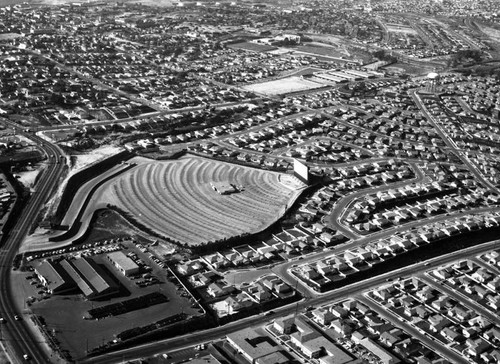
(16, 334)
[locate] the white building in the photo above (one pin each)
(123, 263)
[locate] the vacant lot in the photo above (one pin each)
(398, 28)
(255, 47)
(176, 199)
(283, 86)
(322, 51)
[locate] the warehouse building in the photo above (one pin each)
(92, 280)
(123, 263)
(54, 277)
(256, 348)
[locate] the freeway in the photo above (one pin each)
(334, 295)
(16, 333)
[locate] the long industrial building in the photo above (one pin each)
(54, 277)
(92, 280)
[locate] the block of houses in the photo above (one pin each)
(190, 267)
(425, 294)
(494, 284)
(323, 316)
(339, 311)
(390, 338)
(492, 356)
(481, 275)
(383, 355)
(460, 312)
(480, 321)
(438, 322)
(384, 293)
(494, 301)
(310, 273)
(324, 268)
(452, 334)
(341, 326)
(260, 293)
(477, 346)
(239, 302)
(203, 279)
(219, 289)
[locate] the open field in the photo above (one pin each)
(249, 46)
(397, 28)
(411, 69)
(329, 51)
(283, 86)
(175, 198)
(491, 32)
(9, 36)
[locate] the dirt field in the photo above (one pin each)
(396, 28)
(283, 86)
(491, 32)
(255, 47)
(404, 67)
(326, 50)
(176, 199)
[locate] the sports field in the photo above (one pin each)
(175, 198)
(283, 86)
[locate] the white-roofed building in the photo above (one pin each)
(123, 263)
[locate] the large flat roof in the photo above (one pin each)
(122, 260)
(253, 344)
(335, 355)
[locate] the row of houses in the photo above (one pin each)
(453, 323)
(322, 273)
(362, 328)
(364, 219)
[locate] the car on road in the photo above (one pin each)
(26, 357)
(2, 320)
